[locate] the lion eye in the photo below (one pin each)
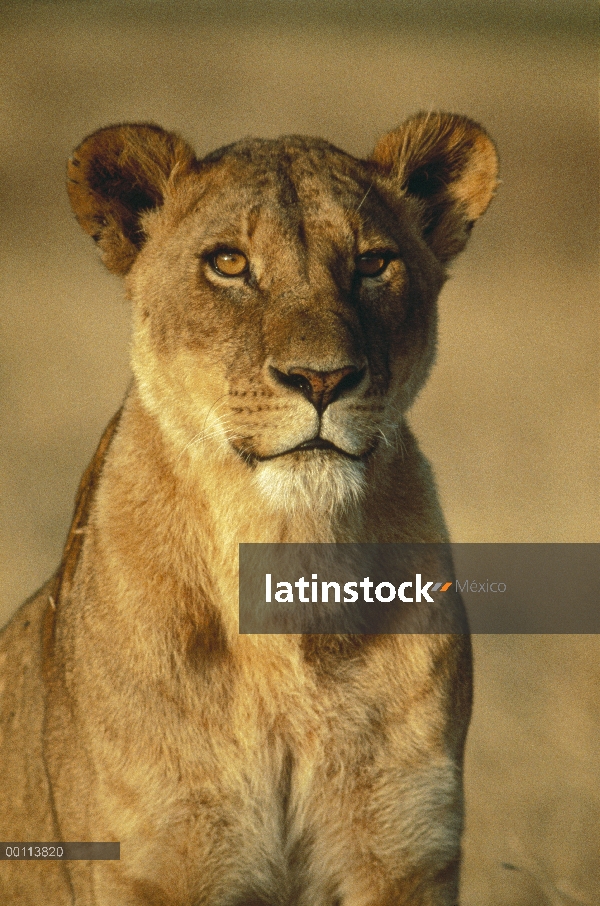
(371, 264)
(229, 263)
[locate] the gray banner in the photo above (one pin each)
(383, 588)
(46, 852)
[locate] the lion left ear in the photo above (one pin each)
(118, 173)
(448, 163)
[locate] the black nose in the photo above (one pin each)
(320, 387)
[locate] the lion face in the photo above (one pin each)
(284, 292)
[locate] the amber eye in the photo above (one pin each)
(371, 264)
(229, 263)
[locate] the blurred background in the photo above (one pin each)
(509, 416)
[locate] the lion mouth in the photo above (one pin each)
(307, 446)
(317, 443)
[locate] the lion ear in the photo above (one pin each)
(114, 176)
(449, 164)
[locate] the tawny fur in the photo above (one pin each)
(265, 770)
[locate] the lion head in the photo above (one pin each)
(284, 292)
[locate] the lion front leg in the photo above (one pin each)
(419, 889)
(390, 837)
(108, 884)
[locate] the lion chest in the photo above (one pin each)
(255, 793)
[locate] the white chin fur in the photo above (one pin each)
(317, 481)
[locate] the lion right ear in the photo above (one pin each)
(449, 166)
(114, 176)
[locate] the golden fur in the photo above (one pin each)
(252, 770)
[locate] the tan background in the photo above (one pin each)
(509, 415)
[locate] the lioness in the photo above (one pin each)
(284, 319)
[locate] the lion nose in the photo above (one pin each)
(320, 387)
